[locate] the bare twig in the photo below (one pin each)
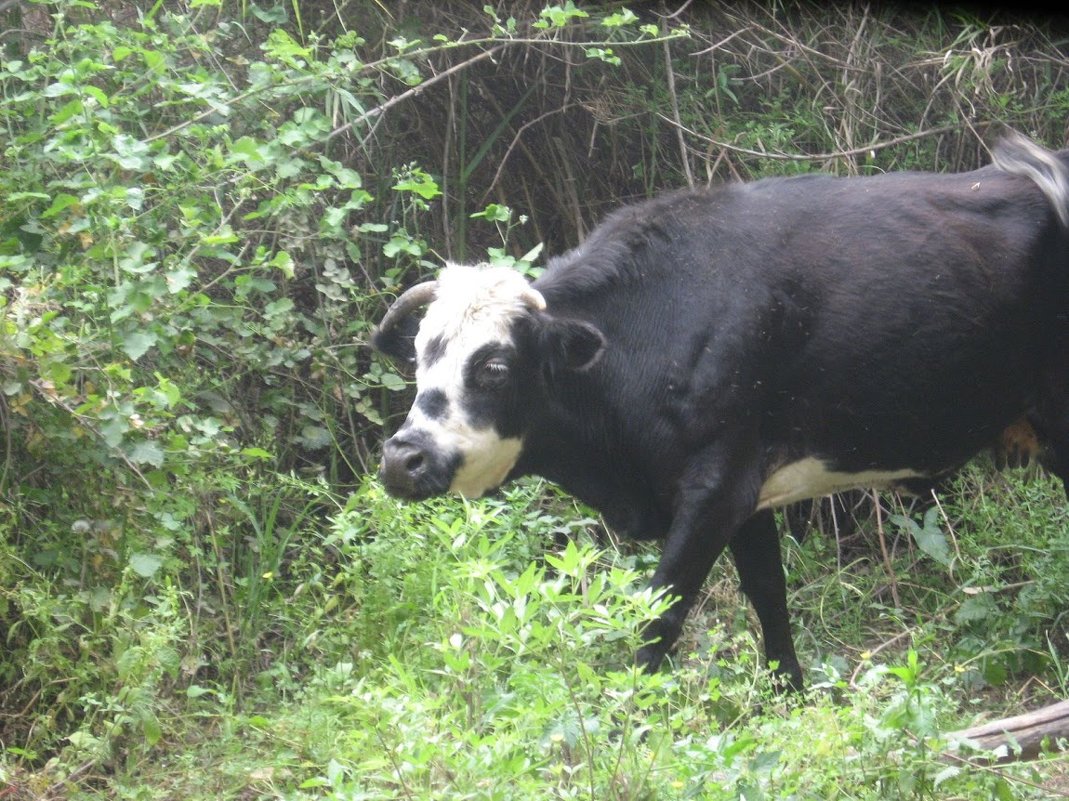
(415, 90)
(887, 565)
(765, 154)
(873, 651)
(670, 77)
(515, 141)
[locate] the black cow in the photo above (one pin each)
(707, 356)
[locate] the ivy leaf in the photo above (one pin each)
(145, 565)
(146, 452)
(137, 343)
(180, 278)
(314, 437)
(929, 538)
(393, 382)
(129, 153)
(975, 609)
(278, 307)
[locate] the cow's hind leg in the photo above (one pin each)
(756, 550)
(1057, 460)
(1051, 421)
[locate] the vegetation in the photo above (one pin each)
(204, 206)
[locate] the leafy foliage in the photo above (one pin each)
(203, 209)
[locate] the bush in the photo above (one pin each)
(203, 210)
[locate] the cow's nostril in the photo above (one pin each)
(414, 463)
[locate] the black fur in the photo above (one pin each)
(699, 341)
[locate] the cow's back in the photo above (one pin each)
(896, 321)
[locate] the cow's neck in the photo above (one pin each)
(606, 478)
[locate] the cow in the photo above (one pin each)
(709, 355)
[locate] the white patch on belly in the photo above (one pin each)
(810, 478)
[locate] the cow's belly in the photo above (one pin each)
(811, 478)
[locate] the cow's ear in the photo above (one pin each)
(570, 344)
(398, 341)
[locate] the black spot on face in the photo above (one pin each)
(434, 350)
(433, 403)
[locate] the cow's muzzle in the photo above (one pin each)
(413, 469)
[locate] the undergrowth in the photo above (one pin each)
(475, 659)
(204, 207)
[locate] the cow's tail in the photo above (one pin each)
(1019, 155)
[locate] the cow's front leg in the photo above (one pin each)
(709, 512)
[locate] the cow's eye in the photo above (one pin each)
(493, 372)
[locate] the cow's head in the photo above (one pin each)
(483, 353)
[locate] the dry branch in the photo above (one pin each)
(1021, 737)
(765, 154)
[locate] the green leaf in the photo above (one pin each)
(284, 262)
(285, 48)
(59, 89)
(146, 452)
(154, 61)
(248, 150)
(393, 382)
(59, 203)
(346, 177)
(145, 565)
(98, 95)
(494, 212)
(180, 278)
(112, 430)
(225, 236)
(150, 727)
(257, 453)
(559, 16)
(533, 253)
(129, 153)
(277, 307)
(929, 538)
(14, 196)
(977, 608)
(419, 183)
(620, 18)
(1004, 791)
(67, 111)
(137, 343)
(401, 242)
(933, 543)
(603, 54)
(315, 437)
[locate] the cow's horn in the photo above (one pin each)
(410, 299)
(533, 298)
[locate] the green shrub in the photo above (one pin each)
(203, 209)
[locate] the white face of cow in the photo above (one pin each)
(457, 436)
